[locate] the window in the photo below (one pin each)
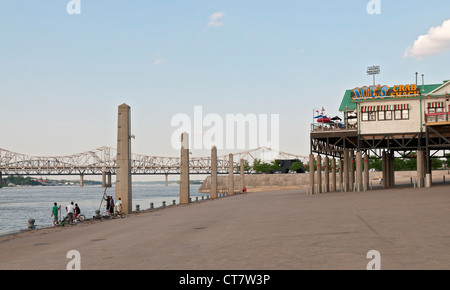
(405, 114)
(365, 116)
(372, 116)
(401, 114)
(388, 115)
(381, 115)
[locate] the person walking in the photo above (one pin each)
(55, 210)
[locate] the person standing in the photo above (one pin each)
(55, 210)
(70, 211)
(106, 198)
(119, 206)
(77, 211)
(111, 205)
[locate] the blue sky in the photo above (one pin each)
(63, 76)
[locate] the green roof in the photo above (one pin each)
(348, 104)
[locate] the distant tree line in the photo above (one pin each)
(268, 168)
(19, 180)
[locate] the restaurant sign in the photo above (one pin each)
(381, 92)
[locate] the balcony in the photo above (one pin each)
(332, 127)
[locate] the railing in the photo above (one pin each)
(436, 117)
(332, 127)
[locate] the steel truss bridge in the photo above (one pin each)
(103, 159)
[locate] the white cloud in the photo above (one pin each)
(436, 41)
(215, 19)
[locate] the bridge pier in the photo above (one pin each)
(104, 179)
(123, 176)
(213, 191)
(81, 180)
(184, 169)
(108, 179)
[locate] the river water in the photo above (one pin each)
(18, 204)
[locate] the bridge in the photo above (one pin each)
(103, 159)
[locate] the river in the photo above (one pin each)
(18, 204)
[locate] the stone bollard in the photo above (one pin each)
(174, 202)
(163, 203)
(203, 198)
(97, 214)
(196, 198)
(151, 205)
(190, 199)
(138, 207)
(31, 225)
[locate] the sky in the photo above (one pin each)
(64, 72)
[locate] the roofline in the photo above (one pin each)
(443, 85)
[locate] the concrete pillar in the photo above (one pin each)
(333, 175)
(123, 175)
(384, 168)
(327, 173)
(184, 169)
(81, 180)
(230, 175)
(366, 172)
(1, 179)
(359, 183)
(346, 170)
(392, 170)
(319, 174)
(166, 179)
(352, 170)
(420, 168)
(213, 191)
(108, 179)
(241, 171)
(341, 174)
(104, 179)
(311, 173)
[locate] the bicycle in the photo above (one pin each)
(65, 221)
(118, 214)
(79, 218)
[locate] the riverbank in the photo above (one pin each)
(268, 230)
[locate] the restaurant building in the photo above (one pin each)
(387, 122)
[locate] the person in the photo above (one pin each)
(111, 205)
(77, 211)
(244, 190)
(55, 210)
(70, 210)
(119, 206)
(107, 203)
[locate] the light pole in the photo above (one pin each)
(373, 70)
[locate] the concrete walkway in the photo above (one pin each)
(270, 230)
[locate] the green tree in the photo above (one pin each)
(295, 166)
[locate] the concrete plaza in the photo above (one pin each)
(267, 230)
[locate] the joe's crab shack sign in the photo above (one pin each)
(381, 92)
